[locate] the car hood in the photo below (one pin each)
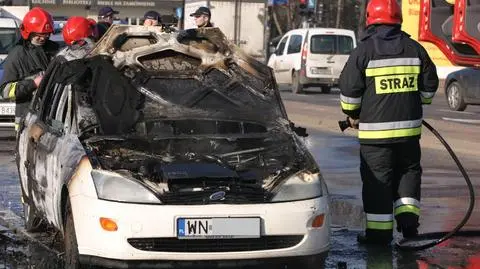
(192, 74)
(186, 170)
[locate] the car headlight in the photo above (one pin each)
(301, 186)
(114, 187)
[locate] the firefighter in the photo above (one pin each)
(79, 35)
(26, 62)
(383, 85)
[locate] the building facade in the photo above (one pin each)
(130, 10)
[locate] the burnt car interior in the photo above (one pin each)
(183, 120)
(437, 25)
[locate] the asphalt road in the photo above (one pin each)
(445, 197)
(438, 110)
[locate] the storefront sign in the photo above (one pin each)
(111, 3)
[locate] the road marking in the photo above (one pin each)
(461, 112)
(462, 120)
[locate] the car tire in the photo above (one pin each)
(72, 257)
(33, 223)
(455, 97)
(297, 87)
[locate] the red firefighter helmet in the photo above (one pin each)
(77, 28)
(37, 20)
(383, 12)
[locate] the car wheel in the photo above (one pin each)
(70, 241)
(326, 89)
(33, 223)
(297, 87)
(455, 97)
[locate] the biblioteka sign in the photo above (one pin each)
(112, 3)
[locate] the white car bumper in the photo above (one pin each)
(154, 222)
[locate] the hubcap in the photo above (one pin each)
(453, 96)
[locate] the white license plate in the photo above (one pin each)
(324, 71)
(7, 109)
(223, 228)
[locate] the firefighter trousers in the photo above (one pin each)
(391, 176)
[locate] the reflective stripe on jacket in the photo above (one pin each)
(385, 83)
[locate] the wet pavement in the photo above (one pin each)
(444, 202)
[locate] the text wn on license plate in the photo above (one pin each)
(223, 228)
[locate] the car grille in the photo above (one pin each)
(203, 197)
(169, 244)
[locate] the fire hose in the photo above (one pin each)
(436, 237)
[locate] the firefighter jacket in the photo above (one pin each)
(23, 63)
(384, 83)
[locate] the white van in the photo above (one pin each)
(313, 57)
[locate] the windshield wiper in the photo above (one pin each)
(241, 152)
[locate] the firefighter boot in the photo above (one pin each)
(407, 224)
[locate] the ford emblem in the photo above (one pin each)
(217, 196)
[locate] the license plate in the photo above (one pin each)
(320, 70)
(7, 109)
(218, 228)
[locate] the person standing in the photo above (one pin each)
(152, 18)
(383, 85)
(202, 17)
(28, 60)
(105, 20)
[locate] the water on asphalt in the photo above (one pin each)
(338, 158)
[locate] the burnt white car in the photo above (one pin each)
(156, 149)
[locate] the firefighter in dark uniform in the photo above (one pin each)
(383, 85)
(27, 61)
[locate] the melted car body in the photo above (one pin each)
(159, 119)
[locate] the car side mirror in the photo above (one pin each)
(35, 132)
(300, 131)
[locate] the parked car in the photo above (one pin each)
(9, 35)
(312, 57)
(151, 151)
(462, 88)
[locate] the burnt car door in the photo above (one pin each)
(58, 151)
(30, 131)
(43, 139)
(53, 148)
